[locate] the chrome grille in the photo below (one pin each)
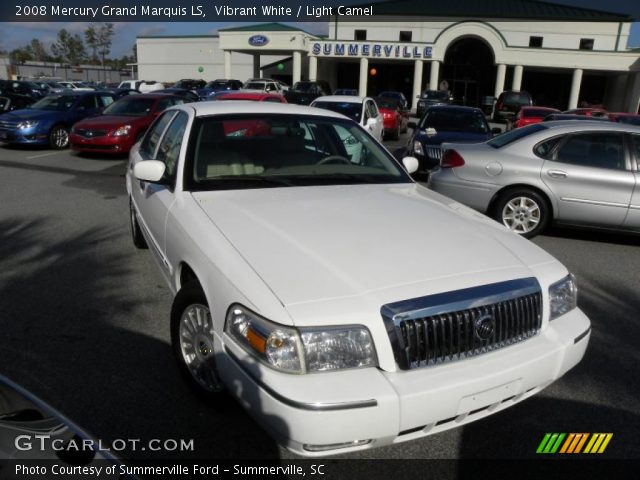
(434, 152)
(6, 124)
(90, 133)
(454, 325)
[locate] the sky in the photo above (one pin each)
(15, 34)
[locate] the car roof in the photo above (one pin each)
(230, 107)
(573, 125)
(249, 95)
(342, 99)
(455, 108)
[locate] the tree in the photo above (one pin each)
(37, 50)
(20, 55)
(103, 40)
(69, 48)
(91, 38)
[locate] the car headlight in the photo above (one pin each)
(122, 131)
(309, 350)
(26, 124)
(417, 147)
(563, 296)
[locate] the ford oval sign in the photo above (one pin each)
(258, 41)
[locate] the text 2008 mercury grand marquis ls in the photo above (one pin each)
(346, 306)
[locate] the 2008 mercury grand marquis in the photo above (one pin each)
(346, 306)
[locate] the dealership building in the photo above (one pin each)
(564, 56)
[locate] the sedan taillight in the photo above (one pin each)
(451, 159)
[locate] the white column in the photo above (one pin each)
(435, 73)
(417, 83)
(633, 93)
(364, 74)
(502, 72)
(297, 67)
(313, 69)
(227, 64)
(256, 66)
(575, 88)
(517, 78)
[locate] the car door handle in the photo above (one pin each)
(557, 174)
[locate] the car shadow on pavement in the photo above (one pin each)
(77, 333)
(602, 236)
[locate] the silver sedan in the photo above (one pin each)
(584, 174)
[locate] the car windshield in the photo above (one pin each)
(130, 107)
(535, 112)
(304, 86)
(391, 103)
(254, 85)
(516, 134)
(435, 95)
(517, 98)
(454, 121)
(349, 109)
(262, 151)
(58, 103)
(218, 84)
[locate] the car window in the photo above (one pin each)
(151, 139)
(513, 135)
(545, 149)
(88, 102)
(272, 99)
(598, 150)
(350, 109)
(373, 110)
(168, 102)
(258, 151)
(454, 120)
(105, 100)
(169, 149)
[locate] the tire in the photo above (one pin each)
(59, 137)
(523, 211)
(396, 134)
(193, 344)
(136, 234)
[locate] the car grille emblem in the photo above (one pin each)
(485, 325)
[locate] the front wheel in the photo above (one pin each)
(59, 137)
(524, 212)
(192, 341)
(136, 233)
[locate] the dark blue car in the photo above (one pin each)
(220, 85)
(48, 121)
(446, 123)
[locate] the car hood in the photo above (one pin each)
(454, 137)
(108, 122)
(317, 243)
(29, 114)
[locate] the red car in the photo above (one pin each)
(253, 96)
(121, 124)
(589, 112)
(529, 115)
(623, 117)
(395, 117)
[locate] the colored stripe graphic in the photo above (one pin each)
(574, 442)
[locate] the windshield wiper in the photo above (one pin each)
(272, 179)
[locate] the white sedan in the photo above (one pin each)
(304, 288)
(362, 110)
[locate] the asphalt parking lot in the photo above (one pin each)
(84, 322)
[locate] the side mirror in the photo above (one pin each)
(149, 171)
(411, 164)
(496, 131)
(412, 125)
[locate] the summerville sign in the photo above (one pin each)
(371, 50)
